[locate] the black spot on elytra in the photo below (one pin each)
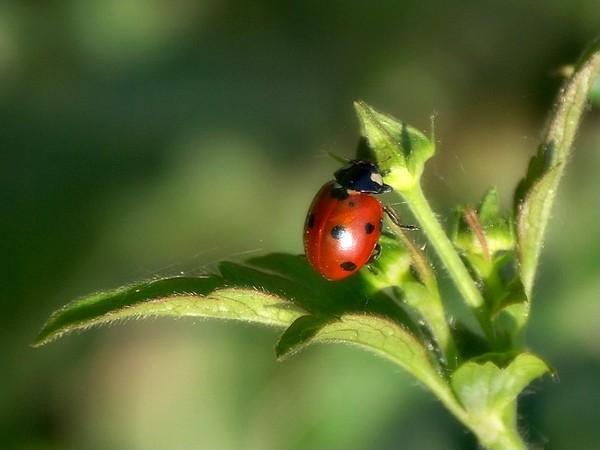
(351, 204)
(338, 232)
(339, 193)
(310, 220)
(369, 227)
(348, 266)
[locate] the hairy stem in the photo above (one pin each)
(445, 250)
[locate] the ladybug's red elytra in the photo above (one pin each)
(344, 221)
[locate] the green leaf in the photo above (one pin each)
(488, 389)
(274, 290)
(482, 233)
(400, 149)
(489, 392)
(376, 334)
(487, 241)
(392, 267)
(498, 229)
(174, 297)
(241, 292)
(536, 192)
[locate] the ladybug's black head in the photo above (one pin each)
(362, 176)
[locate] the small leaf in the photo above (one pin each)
(423, 271)
(487, 388)
(536, 192)
(483, 233)
(488, 392)
(400, 149)
(486, 240)
(498, 229)
(392, 267)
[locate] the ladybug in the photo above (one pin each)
(344, 221)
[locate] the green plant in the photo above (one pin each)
(397, 310)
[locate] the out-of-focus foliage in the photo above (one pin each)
(122, 123)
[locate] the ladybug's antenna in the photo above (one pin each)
(339, 158)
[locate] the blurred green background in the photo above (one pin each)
(150, 138)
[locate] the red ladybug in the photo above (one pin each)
(344, 221)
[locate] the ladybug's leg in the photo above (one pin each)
(395, 218)
(375, 254)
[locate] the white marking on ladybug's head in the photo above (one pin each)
(377, 178)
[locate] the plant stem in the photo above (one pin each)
(490, 430)
(503, 439)
(458, 272)
(433, 310)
